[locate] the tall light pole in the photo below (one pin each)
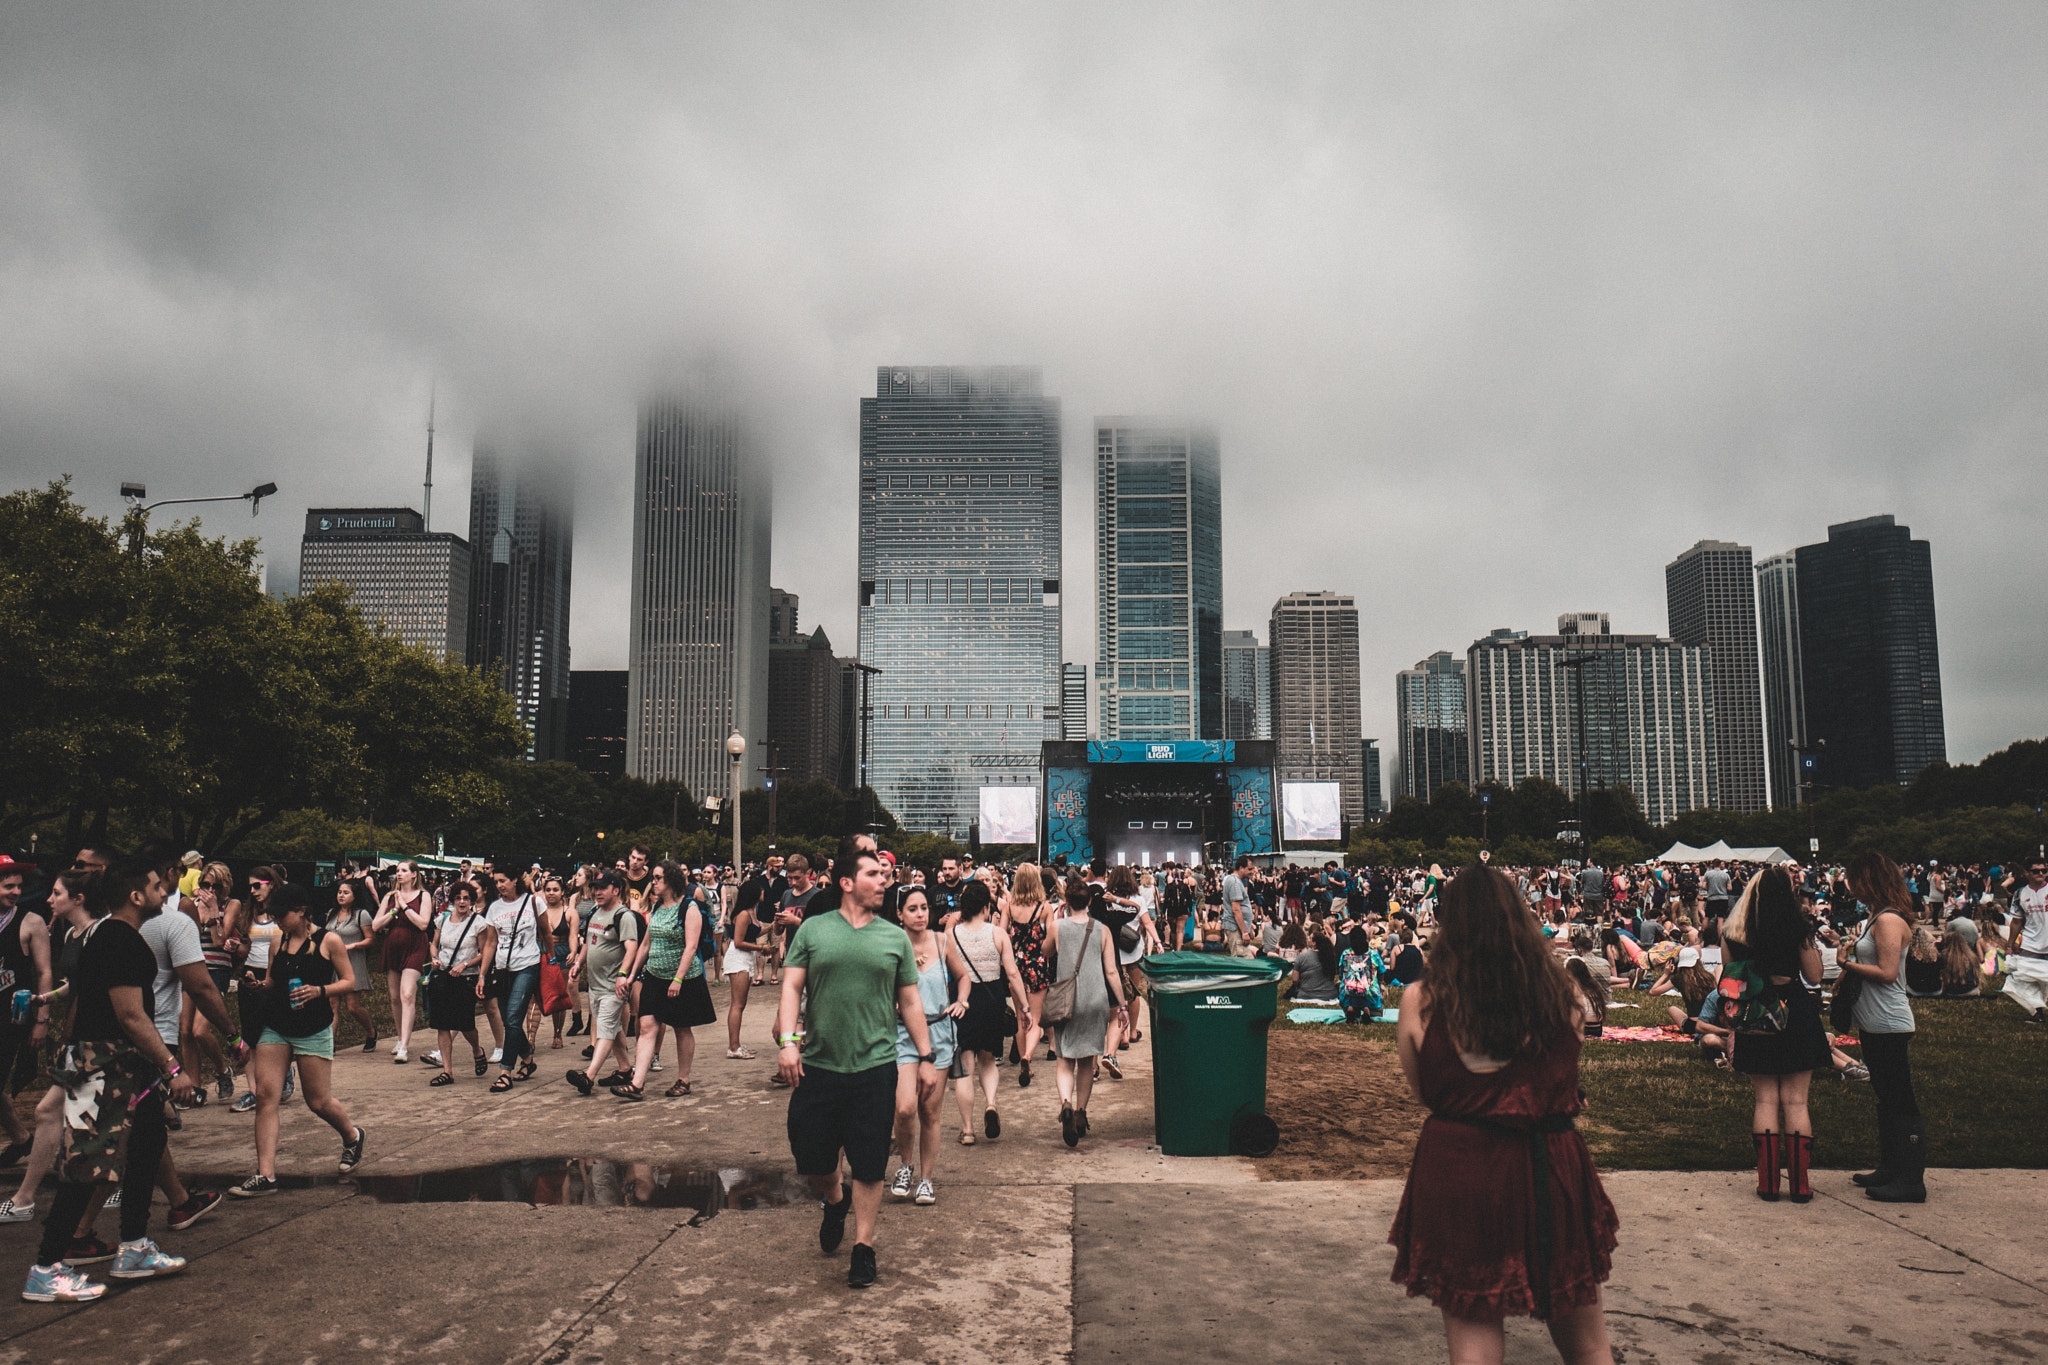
(1577, 664)
(736, 745)
(771, 773)
(1809, 765)
(866, 714)
(138, 510)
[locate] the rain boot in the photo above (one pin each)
(1801, 1148)
(1766, 1166)
(1887, 1159)
(1908, 1184)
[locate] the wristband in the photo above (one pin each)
(789, 1039)
(174, 1072)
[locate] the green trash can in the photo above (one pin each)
(1210, 1014)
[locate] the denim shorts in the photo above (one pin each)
(319, 1044)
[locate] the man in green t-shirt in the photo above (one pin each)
(841, 1066)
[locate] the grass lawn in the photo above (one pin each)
(1980, 1072)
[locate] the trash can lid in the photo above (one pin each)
(1215, 967)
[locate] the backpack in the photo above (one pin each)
(1750, 1003)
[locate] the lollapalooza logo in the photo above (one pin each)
(1067, 805)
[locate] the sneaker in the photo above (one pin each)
(925, 1193)
(113, 1201)
(291, 1084)
(400, 1056)
(11, 1212)
(226, 1084)
(738, 1054)
(657, 1065)
(144, 1261)
(434, 1058)
(900, 1187)
(590, 1052)
(197, 1207)
(1855, 1071)
(497, 1056)
(832, 1228)
(59, 1284)
(255, 1187)
(244, 1104)
(89, 1251)
(860, 1272)
(352, 1152)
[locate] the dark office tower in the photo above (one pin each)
(1247, 687)
(805, 698)
(1316, 724)
(1777, 600)
(597, 722)
(1710, 599)
(1375, 794)
(1073, 702)
(699, 647)
(1158, 580)
(959, 584)
(521, 518)
(1872, 669)
(782, 627)
(1433, 745)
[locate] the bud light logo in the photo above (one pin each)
(1159, 753)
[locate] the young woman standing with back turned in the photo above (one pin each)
(1768, 930)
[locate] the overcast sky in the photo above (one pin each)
(1497, 308)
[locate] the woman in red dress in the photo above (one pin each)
(1504, 1214)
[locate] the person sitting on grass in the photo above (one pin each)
(1961, 978)
(1592, 1000)
(1359, 968)
(1315, 969)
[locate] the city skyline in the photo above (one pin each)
(1475, 345)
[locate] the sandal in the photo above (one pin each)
(482, 1065)
(526, 1070)
(442, 1078)
(678, 1090)
(967, 1139)
(502, 1084)
(629, 1091)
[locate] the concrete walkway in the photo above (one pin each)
(1033, 1253)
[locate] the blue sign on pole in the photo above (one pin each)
(1809, 762)
(1486, 798)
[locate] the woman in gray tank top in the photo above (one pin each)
(1884, 1021)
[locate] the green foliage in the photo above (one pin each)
(311, 835)
(1618, 850)
(164, 690)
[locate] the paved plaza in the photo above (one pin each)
(1111, 1253)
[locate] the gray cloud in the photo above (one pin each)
(1497, 307)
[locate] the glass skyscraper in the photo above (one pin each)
(959, 584)
(1777, 600)
(1247, 686)
(1158, 580)
(521, 526)
(1710, 598)
(1871, 662)
(1432, 746)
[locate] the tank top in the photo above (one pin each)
(982, 955)
(1883, 1006)
(935, 987)
(309, 967)
(17, 969)
(262, 939)
(213, 940)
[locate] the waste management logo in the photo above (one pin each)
(1218, 1002)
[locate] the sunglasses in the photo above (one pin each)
(259, 881)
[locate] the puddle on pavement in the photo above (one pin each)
(577, 1182)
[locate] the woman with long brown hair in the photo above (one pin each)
(1768, 931)
(1884, 1021)
(1504, 1214)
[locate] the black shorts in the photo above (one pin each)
(853, 1111)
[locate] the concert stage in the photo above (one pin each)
(1183, 801)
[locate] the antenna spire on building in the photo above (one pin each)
(427, 504)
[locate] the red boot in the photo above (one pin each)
(1766, 1166)
(1802, 1162)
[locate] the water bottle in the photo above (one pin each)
(23, 1003)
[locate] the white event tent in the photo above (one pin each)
(1686, 853)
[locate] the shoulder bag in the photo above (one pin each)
(1059, 997)
(982, 982)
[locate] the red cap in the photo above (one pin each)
(7, 865)
(888, 857)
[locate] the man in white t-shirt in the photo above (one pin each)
(1237, 919)
(2026, 939)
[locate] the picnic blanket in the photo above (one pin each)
(1315, 1016)
(1672, 1035)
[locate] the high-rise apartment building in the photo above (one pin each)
(782, 626)
(1432, 746)
(597, 722)
(1317, 727)
(408, 581)
(1710, 598)
(1375, 793)
(1871, 660)
(1247, 686)
(1073, 701)
(698, 650)
(1158, 580)
(1639, 708)
(1777, 598)
(959, 584)
(805, 718)
(521, 526)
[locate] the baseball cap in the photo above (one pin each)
(1688, 957)
(888, 857)
(192, 858)
(8, 865)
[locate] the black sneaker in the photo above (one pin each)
(832, 1228)
(583, 1083)
(89, 1251)
(589, 1052)
(255, 1187)
(861, 1272)
(352, 1152)
(192, 1210)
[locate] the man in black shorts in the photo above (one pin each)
(861, 976)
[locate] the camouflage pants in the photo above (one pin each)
(101, 1083)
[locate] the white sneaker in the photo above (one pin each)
(657, 1065)
(113, 1200)
(398, 1054)
(434, 1058)
(900, 1186)
(925, 1193)
(738, 1054)
(497, 1055)
(11, 1212)
(144, 1260)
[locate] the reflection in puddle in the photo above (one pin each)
(581, 1182)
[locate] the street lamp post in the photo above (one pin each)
(736, 745)
(866, 714)
(771, 773)
(138, 510)
(1808, 763)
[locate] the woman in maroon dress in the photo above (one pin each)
(1504, 1214)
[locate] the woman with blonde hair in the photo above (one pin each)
(1504, 1214)
(1027, 915)
(406, 918)
(1960, 977)
(221, 929)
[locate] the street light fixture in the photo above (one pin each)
(736, 745)
(138, 510)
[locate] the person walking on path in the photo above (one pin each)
(308, 968)
(610, 940)
(351, 921)
(406, 919)
(513, 979)
(1884, 1021)
(1503, 1214)
(1026, 914)
(940, 971)
(753, 942)
(673, 992)
(1768, 930)
(458, 948)
(1084, 952)
(838, 1048)
(983, 1032)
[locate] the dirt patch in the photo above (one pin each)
(1342, 1107)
